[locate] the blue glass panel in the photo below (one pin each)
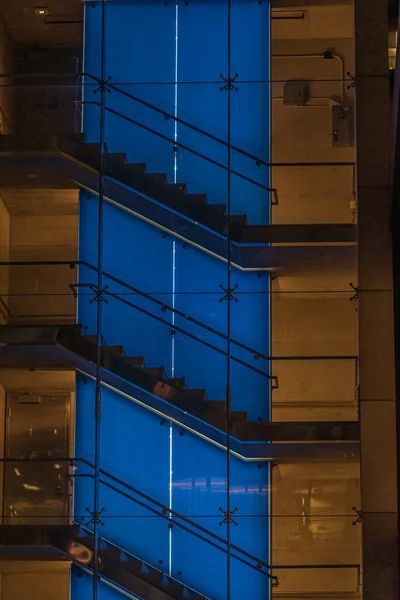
(140, 57)
(199, 295)
(139, 255)
(200, 100)
(82, 587)
(199, 492)
(134, 450)
(250, 109)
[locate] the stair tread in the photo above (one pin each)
(221, 208)
(155, 371)
(154, 577)
(239, 219)
(136, 168)
(200, 393)
(133, 566)
(200, 198)
(177, 382)
(174, 589)
(136, 361)
(115, 350)
(158, 177)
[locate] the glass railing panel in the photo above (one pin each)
(312, 113)
(315, 389)
(36, 285)
(132, 492)
(316, 531)
(37, 489)
(41, 91)
(314, 343)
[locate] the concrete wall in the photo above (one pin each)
(311, 310)
(22, 580)
(313, 524)
(6, 90)
(4, 253)
(43, 290)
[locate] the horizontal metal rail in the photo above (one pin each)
(177, 145)
(75, 287)
(164, 510)
(169, 116)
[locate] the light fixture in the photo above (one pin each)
(41, 11)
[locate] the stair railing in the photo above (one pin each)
(169, 116)
(74, 287)
(175, 144)
(156, 507)
(257, 355)
(184, 523)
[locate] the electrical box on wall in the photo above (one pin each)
(342, 126)
(295, 93)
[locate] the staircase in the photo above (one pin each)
(189, 217)
(71, 162)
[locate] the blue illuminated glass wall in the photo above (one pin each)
(165, 61)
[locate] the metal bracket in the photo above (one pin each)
(353, 81)
(98, 294)
(229, 83)
(228, 293)
(228, 516)
(356, 294)
(359, 513)
(103, 86)
(95, 517)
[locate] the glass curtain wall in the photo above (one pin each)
(182, 131)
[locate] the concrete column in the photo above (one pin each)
(376, 324)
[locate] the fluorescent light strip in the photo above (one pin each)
(171, 431)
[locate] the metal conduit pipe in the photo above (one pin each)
(327, 55)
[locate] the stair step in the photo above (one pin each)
(176, 590)
(179, 188)
(157, 177)
(136, 168)
(198, 198)
(114, 350)
(93, 147)
(157, 372)
(153, 577)
(220, 208)
(201, 394)
(135, 361)
(133, 566)
(176, 382)
(239, 415)
(117, 157)
(92, 339)
(238, 220)
(219, 405)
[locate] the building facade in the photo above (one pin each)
(197, 368)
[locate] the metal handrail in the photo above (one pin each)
(75, 286)
(163, 513)
(169, 116)
(164, 307)
(185, 147)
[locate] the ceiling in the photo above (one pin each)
(37, 202)
(61, 27)
(17, 379)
